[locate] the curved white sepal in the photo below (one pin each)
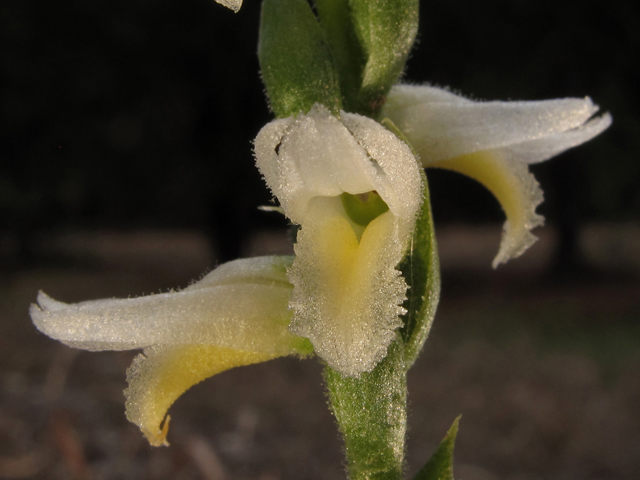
(493, 142)
(236, 315)
(542, 149)
(241, 305)
(441, 125)
(232, 4)
(347, 291)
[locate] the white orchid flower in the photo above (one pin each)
(236, 315)
(494, 142)
(355, 189)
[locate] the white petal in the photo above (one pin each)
(347, 291)
(246, 316)
(163, 373)
(543, 149)
(439, 125)
(397, 179)
(232, 4)
(317, 155)
(493, 142)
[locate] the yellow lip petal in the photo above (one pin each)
(349, 293)
(514, 187)
(160, 375)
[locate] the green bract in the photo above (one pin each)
(297, 68)
(370, 41)
(440, 465)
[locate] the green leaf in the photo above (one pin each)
(372, 415)
(421, 270)
(348, 55)
(440, 465)
(295, 61)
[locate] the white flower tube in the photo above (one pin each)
(326, 171)
(493, 142)
(236, 315)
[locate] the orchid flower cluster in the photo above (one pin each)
(345, 159)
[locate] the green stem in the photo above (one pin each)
(371, 412)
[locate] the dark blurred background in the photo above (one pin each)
(140, 113)
(129, 114)
(126, 168)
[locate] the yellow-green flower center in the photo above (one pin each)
(363, 208)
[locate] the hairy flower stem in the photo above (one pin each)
(371, 412)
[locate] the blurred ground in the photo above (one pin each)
(545, 371)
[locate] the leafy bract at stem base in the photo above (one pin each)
(295, 61)
(440, 465)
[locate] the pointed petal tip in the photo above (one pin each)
(36, 313)
(159, 438)
(512, 247)
(40, 310)
(442, 125)
(160, 375)
(591, 128)
(46, 303)
(540, 150)
(599, 124)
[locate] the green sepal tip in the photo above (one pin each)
(295, 61)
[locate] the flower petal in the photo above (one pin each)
(163, 373)
(315, 155)
(241, 305)
(515, 188)
(543, 149)
(232, 4)
(319, 155)
(441, 125)
(347, 293)
(347, 290)
(236, 315)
